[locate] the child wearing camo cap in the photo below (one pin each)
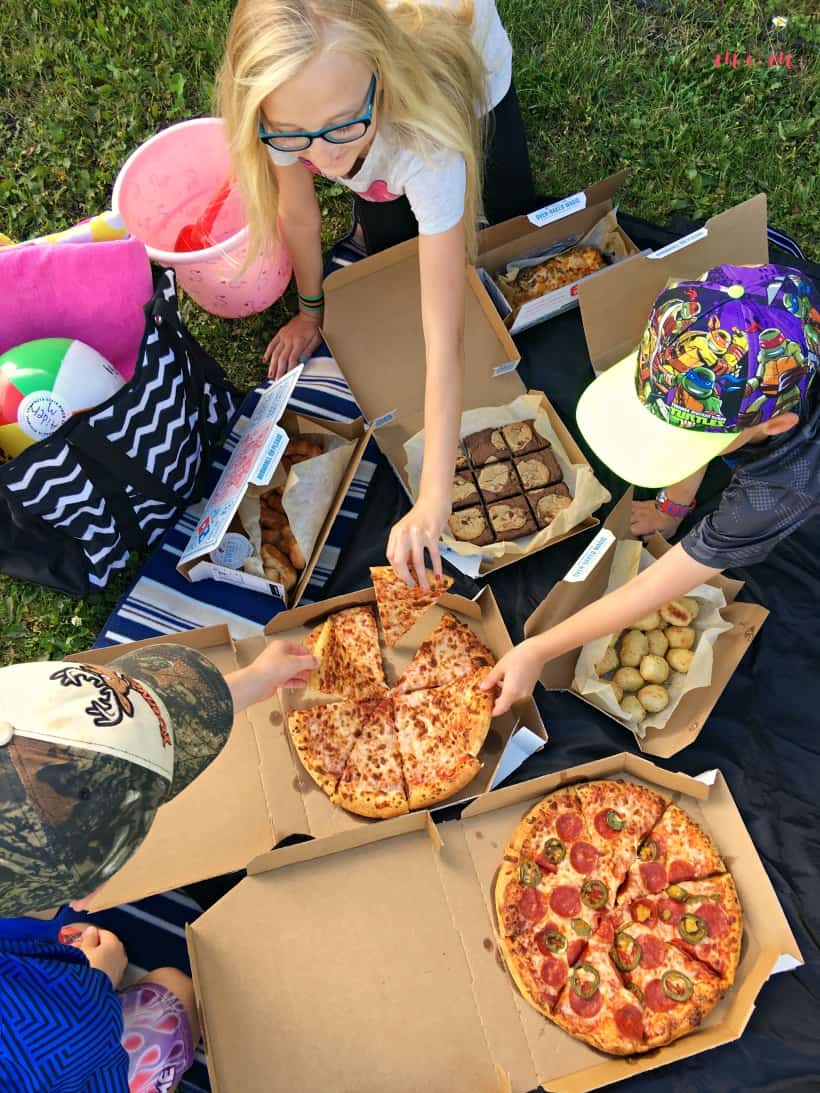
(88, 755)
(727, 366)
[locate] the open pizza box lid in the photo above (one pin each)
(256, 793)
(380, 967)
(616, 302)
(587, 581)
(567, 220)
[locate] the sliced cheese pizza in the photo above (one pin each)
(400, 606)
(324, 737)
(372, 783)
(347, 646)
(451, 651)
(434, 754)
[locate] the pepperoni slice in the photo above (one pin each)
(670, 911)
(569, 826)
(565, 901)
(653, 951)
(653, 876)
(680, 870)
(603, 828)
(574, 950)
(643, 911)
(584, 857)
(606, 932)
(545, 865)
(554, 973)
(630, 1022)
(585, 1007)
(656, 997)
(716, 919)
(533, 904)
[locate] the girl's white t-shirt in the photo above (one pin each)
(434, 185)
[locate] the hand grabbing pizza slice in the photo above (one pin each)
(400, 606)
(347, 647)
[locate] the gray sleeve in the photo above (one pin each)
(751, 519)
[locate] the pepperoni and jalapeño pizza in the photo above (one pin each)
(618, 920)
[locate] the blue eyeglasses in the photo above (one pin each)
(343, 133)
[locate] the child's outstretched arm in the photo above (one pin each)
(671, 576)
(280, 664)
(300, 222)
(441, 266)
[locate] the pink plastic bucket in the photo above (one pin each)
(167, 183)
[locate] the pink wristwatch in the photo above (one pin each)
(672, 508)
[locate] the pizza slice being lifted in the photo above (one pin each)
(347, 646)
(451, 651)
(372, 783)
(400, 606)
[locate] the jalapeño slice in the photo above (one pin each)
(529, 873)
(692, 928)
(552, 941)
(677, 986)
(614, 821)
(648, 850)
(677, 893)
(636, 990)
(594, 893)
(582, 928)
(584, 980)
(626, 952)
(554, 850)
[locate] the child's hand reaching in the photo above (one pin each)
(104, 951)
(294, 342)
(280, 664)
(516, 673)
(646, 518)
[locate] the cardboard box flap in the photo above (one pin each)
(615, 306)
(373, 326)
(360, 963)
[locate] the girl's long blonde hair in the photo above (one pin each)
(430, 85)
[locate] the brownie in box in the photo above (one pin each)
(546, 503)
(538, 469)
(511, 519)
(470, 526)
(464, 490)
(462, 463)
(486, 446)
(521, 437)
(496, 481)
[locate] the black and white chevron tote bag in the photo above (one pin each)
(113, 478)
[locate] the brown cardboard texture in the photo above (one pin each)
(256, 792)
(616, 302)
(528, 235)
(393, 927)
(373, 327)
(310, 810)
(586, 582)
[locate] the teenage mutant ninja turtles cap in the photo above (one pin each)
(88, 754)
(731, 350)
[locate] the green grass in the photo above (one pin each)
(602, 85)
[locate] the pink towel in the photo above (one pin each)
(91, 291)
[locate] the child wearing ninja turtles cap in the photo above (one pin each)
(88, 755)
(727, 366)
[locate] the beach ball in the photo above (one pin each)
(44, 382)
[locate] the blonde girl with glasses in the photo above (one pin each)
(413, 108)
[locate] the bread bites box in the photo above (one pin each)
(256, 792)
(219, 546)
(587, 581)
(372, 959)
(552, 229)
(373, 327)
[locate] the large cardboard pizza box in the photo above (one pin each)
(587, 581)
(256, 793)
(374, 330)
(562, 223)
(372, 957)
(616, 302)
(219, 543)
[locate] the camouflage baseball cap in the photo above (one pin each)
(88, 753)
(718, 355)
